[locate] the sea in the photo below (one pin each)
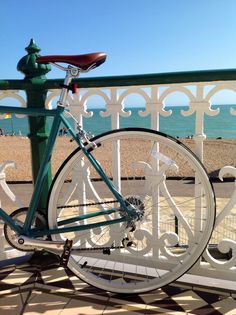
(222, 125)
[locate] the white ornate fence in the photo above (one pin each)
(199, 95)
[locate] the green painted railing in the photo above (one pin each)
(129, 80)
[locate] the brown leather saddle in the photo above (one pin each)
(83, 62)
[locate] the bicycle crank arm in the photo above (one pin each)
(54, 246)
(65, 248)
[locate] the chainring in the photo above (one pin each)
(19, 216)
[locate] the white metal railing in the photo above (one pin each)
(199, 97)
(200, 104)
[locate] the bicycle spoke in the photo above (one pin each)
(173, 198)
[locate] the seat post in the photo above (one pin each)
(64, 90)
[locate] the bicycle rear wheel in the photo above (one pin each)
(170, 188)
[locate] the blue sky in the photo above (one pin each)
(140, 36)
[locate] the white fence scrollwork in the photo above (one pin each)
(154, 97)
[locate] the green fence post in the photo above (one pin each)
(36, 96)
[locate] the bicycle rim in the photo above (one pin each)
(171, 191)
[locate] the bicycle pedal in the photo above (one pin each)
(66, 253)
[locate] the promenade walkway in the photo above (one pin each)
(24, 191)
(40, 286)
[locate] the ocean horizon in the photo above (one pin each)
(222, 125)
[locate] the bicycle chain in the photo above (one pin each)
(99, 248)
(87, 204)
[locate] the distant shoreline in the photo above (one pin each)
(222, 125)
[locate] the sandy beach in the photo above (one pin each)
(217, 153)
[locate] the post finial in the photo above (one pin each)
(28, 65)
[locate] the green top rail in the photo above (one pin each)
(129, 80)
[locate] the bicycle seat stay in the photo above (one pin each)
(84, 62)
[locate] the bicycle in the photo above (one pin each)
(114, 216)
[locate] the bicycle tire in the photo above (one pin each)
(173, 229)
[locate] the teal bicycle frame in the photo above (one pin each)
(58, 118)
